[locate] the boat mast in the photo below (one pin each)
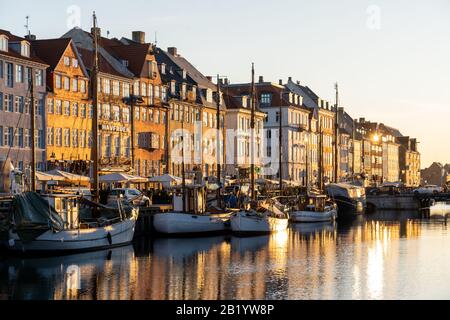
(280, 140)
(336, 136)
(219, 153)
(252, 128)
(94, 93)
(33, 132)
(183, 173)
(320, 155)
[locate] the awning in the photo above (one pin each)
(46, 177)
(121, 178)
(69, 177)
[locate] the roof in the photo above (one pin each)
(194, 74)
(51, 51)
(107, 62)
(11, 53)
(103, 64)
(134, 53)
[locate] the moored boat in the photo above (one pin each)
(192, 218)
(267, 219)
(350, 199)
(56, 224)
(316, 209)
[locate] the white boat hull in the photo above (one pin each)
(311, 216)
(114, 235)
(242, 223)
(184, 223)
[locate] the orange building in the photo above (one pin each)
(68, 111)
(147, 101)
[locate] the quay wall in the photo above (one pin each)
(393, 202)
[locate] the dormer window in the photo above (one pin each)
(3, 43)
(163, 68)
(209, 95)
(25, 49)
(266, 99)
(125, 63)
(184, 74)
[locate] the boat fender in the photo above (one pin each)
(108, 236)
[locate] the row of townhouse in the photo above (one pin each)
(152, 101)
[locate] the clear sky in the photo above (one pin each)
(390, 57)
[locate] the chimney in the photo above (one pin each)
(226, 81)
(172, 51)
(280, 82)
(209, 78)
(30, 37)
(298, 82)
(138, 36)
(261, 79)
(96, 31)
(290, 79)
(362, 120)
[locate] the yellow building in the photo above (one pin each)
(69, 111)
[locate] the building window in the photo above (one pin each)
(83, 138)
(1, 100)
(66, 137)
(150, 94)
(3, 43)
(91, 111)
(126, 114)
(137, 113)
(144, 89)
(116, 113)
(107, 146)
(75, 63)
(116, 88)
(66, 108)
(75, 138)
(8, 101)
(106, 112)
(58, 136)
(1, 136)
(50, 135)
(27, 138)
(117, 146)
(39, 78)
(126, 90)
(164, 94)
(20, 104)
(58, 106)
(83, 86)
(136, 88)
(83, 110)
(25, 49)
(19, 73)
(50, 106)
(67, 83)
(9, 75)
(106, 86)
(75, 109)
(128, 147)
(58, 81)
(75, 85)
(67, 61)
(1, 69)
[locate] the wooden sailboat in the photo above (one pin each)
(263, 217)
(66, 223)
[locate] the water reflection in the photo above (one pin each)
(379, 256)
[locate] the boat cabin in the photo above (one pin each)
(316, 203)
(195, 199)
(67, 208)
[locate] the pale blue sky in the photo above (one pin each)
(390, 57)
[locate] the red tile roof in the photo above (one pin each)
(51, 50)
(87, 56)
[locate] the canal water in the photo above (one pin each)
(387, 255)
